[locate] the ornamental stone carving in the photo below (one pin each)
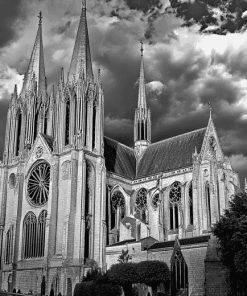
(39, 151)
(66, 170)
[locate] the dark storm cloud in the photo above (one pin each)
(61, 29)
(216, 16)
(10, 13)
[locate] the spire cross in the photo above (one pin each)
(40, 17)
(142, 49)
(210, 109)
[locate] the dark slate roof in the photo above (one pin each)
(119, 159)
(185, 241)
(48, 140)
(124, 242)
(170, 154)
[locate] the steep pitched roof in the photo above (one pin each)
(170, 154)
(119, 159)
(167, 155)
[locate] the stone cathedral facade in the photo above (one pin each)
(71, 198)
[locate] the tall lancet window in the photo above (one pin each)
(34, 235)
(18, 132)
(174, 198)
(141, 205)
(29, 236)
(9, 246)
(67, 121)
(45, 123)
(117, 208)
(207, 193)
(88, 208)
(190, 204)
(41, 234)
(85, 123)
(94, 126)
(36, 122)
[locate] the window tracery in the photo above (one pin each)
(141, 204)
(34, 235)
(38, 184)
(118, 201)
(174, 199)
(156, 200)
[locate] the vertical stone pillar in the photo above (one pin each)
(17, 244)
(73, 195)
(54, 207)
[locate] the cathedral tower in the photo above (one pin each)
(142, 128)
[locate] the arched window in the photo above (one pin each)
(191, 204)
(34, 235)
(41, 234)
(141, 204)
(30, 236)
(117, 208)
(156, 200)
(85, 123)
(67, 121)
(207, 193)
(18, 133)
(8, 246)
(174, 198)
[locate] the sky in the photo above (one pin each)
(194, 53)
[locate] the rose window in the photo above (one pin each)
(38, 184)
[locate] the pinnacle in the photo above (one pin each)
(81, 58)
(36, 67)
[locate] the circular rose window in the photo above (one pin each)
(38, 184)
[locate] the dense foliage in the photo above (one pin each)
(152, 273)
(231, 230)
(95, 283)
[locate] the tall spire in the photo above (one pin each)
(142, 127)
(36, 67)
(81, 58)
(142, 86)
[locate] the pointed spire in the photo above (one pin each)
(245, 185)
(81, 58)
(36, 65)
(210, 110)
(142, 86)
(62, 77)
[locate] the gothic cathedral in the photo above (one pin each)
(71, 198)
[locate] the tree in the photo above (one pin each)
(231, 230)
(124, 274)
(152, 273)
(124, 257)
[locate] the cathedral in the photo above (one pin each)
(72, 198)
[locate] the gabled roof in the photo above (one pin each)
(119, 159)
(49, 141)
(170, 154)
(167, 155)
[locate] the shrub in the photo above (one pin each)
(152, 273)
(84, 289)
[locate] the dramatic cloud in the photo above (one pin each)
(184, 69)
(215, 16)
